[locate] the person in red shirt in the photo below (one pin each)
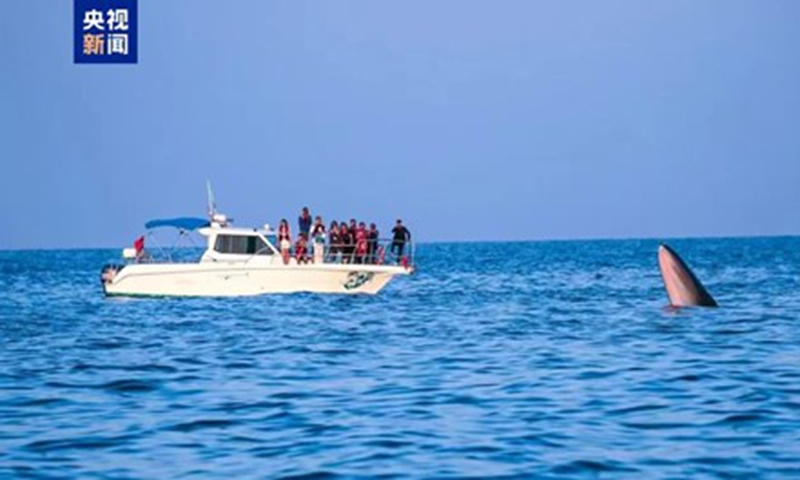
(301, 249)
(361, 243)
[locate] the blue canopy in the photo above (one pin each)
(183, 223)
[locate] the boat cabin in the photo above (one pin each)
(236, 244)
(224, 243)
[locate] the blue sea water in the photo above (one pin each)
(513, 360)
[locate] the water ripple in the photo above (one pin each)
(497, 360)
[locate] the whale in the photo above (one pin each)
(683, 287)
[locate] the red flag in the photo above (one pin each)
(138, 244)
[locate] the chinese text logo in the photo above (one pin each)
(105, 31)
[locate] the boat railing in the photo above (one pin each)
(375, 252)
(169, 255)
(383, 251)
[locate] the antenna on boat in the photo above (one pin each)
(217, 219)
(212, 204)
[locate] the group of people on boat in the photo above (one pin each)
(341, 242)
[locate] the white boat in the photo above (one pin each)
(241, 262)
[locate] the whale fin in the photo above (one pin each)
(683, 287)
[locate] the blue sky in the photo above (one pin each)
(471, 120)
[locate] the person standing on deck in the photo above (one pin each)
(362, 243)
(318, 237)
(372, 243)
(348, 243)
(334, 243)
(401, 237)
(304, 222)
(284, 240)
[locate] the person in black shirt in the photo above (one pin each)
(334, 242)
(372, 243)
(348, 244)
(401, 237)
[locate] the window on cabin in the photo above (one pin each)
(241, 245)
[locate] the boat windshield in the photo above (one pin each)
(241, 245)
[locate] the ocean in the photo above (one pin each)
(495, 360)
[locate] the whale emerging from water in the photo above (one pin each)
(683, 287)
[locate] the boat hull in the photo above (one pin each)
(207, 279)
